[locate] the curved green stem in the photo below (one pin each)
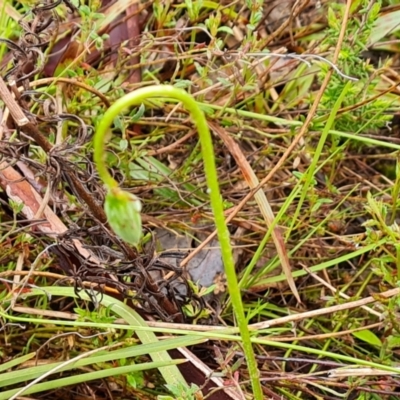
(169, 92)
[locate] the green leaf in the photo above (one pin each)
(139, 113)
(103, 85)
(183, 83)
(16, 361)
(368, 336)
(332, 20)
(393, 342)
(119, 125)
(386, 24)
(225, 29)
(73, 380)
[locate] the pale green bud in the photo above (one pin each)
(123, 214)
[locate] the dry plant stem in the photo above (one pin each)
(324, 335)
(169, 92)
(17, 114)
(289, 150)
(263, 204)
(55, 80)
(328, 310)
(204, 328)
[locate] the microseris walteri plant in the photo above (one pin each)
(120, 205)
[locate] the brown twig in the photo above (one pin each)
(18, 116)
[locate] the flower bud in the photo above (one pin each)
(123, 214)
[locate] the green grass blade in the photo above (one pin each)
(73, 380)
(23, 375)
(14, 363)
